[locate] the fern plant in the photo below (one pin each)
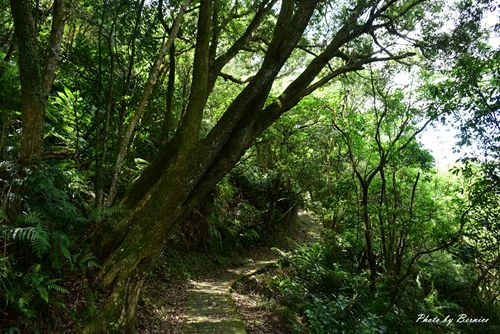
(102, 214)
(35, 233)
(42, 283)
(45, 243)
(33, 291)
(43, 235)
(85, 261)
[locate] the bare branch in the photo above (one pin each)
(356, 66)
(234, 79)
(223, 59)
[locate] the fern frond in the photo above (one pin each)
(101, 213)
(37, 236)
(63, 242)
(41, 244)
(22, 233)
(43, 293)
(88, 261)
(52, 285)
(30, 219)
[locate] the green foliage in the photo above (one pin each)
(333, 315)
(426, 225)
(36, 235)
(248, 207)
(42, 243)
(330, 297)
(9, 108)
(9, 95)
(315, 155)
(321, 287)
(233, 221)
(65, 120)
(31, 293)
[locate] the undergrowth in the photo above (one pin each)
(43, 226)
(324, 293)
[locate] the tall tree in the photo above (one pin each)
(37, 71)
(148, 90)
(394, 129)
(190, 164)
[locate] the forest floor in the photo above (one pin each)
(203, 300)
(210, 308)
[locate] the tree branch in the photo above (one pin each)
(229, 77)
(223, 59)
(148, 90)
(54, 46)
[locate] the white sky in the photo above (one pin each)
(440, 140)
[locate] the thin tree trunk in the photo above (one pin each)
(383, 241)
(103, 125)
(368, 237)
(148, 89)
(98, 121)
(110, 100)
(402, 244)
(54, 47)
(131, 61)
(168, 122)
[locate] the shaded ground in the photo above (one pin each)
(162, 308)
(261, 314)
(203, 302)
(210, 308)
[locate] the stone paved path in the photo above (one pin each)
(210, 309)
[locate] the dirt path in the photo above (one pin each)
(210, 309)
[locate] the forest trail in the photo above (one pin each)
(210, 309)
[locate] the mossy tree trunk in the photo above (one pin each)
(36, 76)
(188, 167)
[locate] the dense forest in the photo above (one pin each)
(145, 143)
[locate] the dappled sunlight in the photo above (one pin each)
(260, 167)
(210, 308)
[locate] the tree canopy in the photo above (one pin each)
(123, 120)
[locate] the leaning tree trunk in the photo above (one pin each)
(368, 237)
(187, 168)
(139, 238)
(142, 239)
